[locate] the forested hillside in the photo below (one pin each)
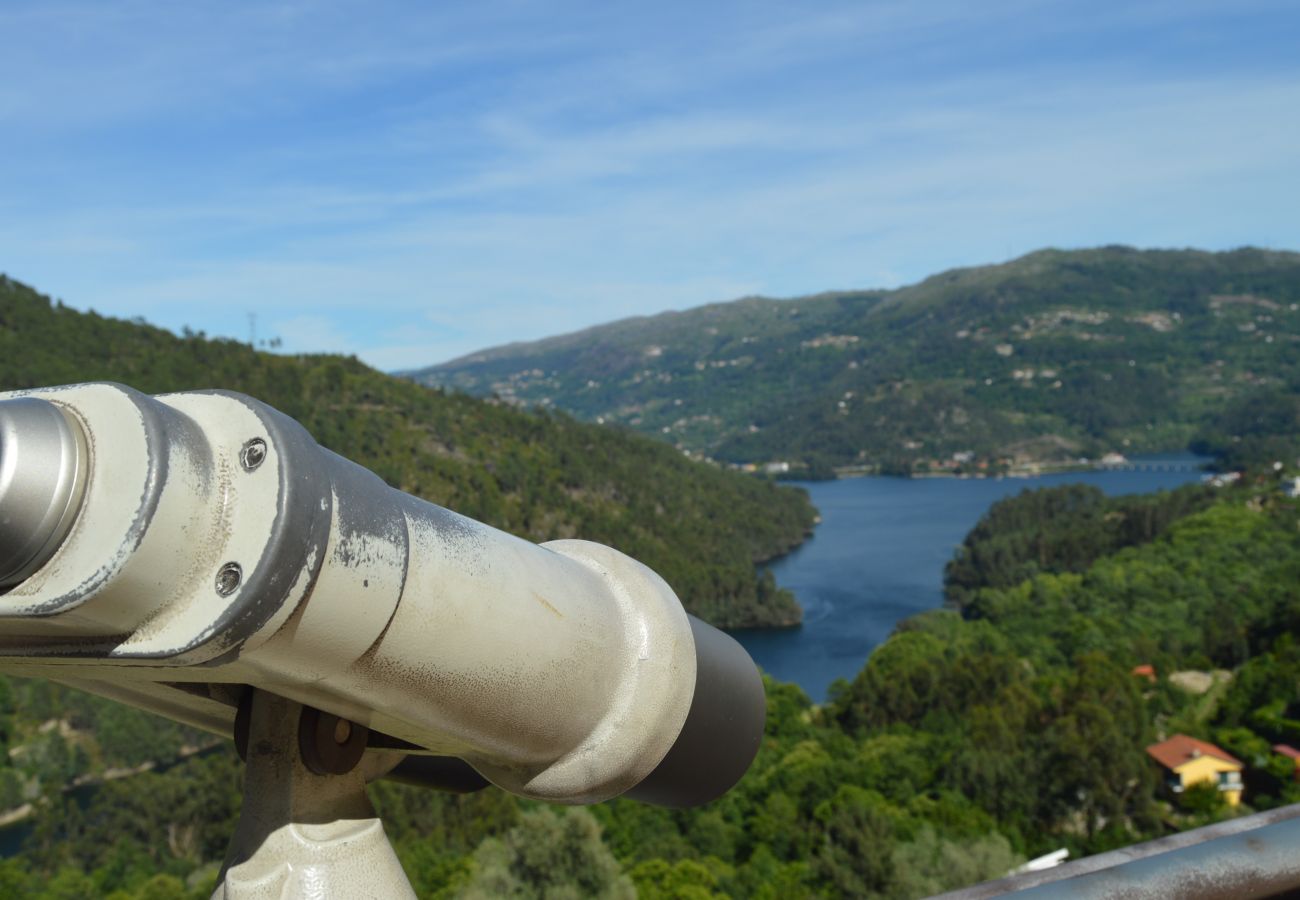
(538, 476)
(1053, 356)
(971, 740)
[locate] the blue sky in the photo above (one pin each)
(413, 181)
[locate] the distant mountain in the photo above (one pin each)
(540, 476)
(1054, 355)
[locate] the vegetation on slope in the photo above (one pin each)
(1049, 357)
(537, 476)
(1063, 529)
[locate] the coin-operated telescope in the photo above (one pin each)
(200, 556)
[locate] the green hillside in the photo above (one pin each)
(538, 476)
(1053, 356)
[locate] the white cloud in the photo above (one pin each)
(445, 178)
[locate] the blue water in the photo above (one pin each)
(878, 556)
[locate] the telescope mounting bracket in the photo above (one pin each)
(304, 832)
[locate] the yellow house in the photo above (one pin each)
(1189, 761)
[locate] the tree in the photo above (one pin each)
(548, 856)
(855, 857)
(687, 879)
(929, 864)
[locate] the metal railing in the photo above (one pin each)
(1253, 856)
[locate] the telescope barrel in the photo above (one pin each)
(168, 550)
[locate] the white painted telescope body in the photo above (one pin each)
(173, 551)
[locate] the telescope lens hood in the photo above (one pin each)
(42, 474)
(723, 729)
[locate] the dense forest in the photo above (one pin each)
(1007, 725)
(1047, 358)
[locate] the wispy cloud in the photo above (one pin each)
(413, 183)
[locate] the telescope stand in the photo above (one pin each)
(302, 834)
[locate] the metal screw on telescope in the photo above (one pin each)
(228, 578)
(252, 454)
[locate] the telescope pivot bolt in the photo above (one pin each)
(330, 744)
(228, 578)
(252, 454)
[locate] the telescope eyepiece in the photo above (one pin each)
(42, 479)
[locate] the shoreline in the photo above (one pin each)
(880, 560)
(1034, 470)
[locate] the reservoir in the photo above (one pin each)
(878, 556)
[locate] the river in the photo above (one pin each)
(878, 556)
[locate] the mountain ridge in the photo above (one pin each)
(1067, 352)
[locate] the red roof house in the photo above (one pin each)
(1190, 761)
(1182, 748)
